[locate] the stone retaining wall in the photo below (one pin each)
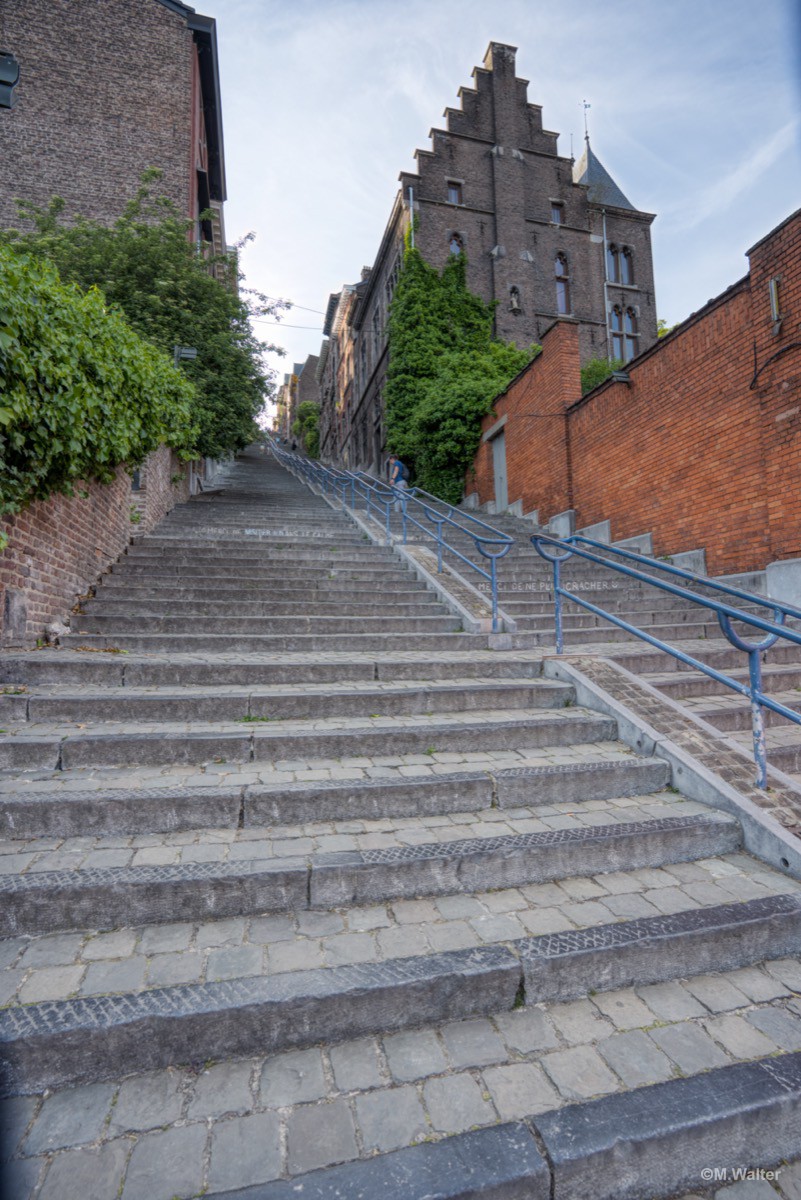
(57, 548)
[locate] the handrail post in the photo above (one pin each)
(494, 587)
(757, 719)
(388, 507)
(557, 605)
(439, 525)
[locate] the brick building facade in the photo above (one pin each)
(700, 446)
(543, 236)
(106, 91)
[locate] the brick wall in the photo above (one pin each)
(58, 548)
(534, 406)
(105, 91)
(689, 449)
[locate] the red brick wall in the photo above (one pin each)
(534, 406)
(688, 450)
(57, 548)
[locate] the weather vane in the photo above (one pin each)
(586, 106)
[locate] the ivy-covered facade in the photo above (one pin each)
(543, 237)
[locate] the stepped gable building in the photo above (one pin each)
(106, 91)
(545, 237)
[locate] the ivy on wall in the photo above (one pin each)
(445, 370)
(80, 392)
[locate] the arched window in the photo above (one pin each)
(630, 339)
(626, 266)
(616, 327)
(562, 273)
(456, 244)
(612, 263)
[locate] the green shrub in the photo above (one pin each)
(80, 392)
(596, 371)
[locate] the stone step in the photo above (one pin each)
(715, 652)
(108, 805)
(56, 1042)
(297, 625)
(461, 1110)
(106, 897)
(383, 573)
(116, 587)
(54, 747)
(194, 703)
(156, 605)
(610, 633)
(331, 643)
(316, 557)
(219, 670)
(686, 684)
(732, 711)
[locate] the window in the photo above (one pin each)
(630, 334)
(456, 244)
(454, 192)
(626, 266)
(616, 326)
(619, 265)
(624, 330)
(562, 274)
(557, 212)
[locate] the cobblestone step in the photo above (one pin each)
(202, 703)
(104, 806)
(95, 1038)
(450, 1109)
(39, 901)
(117, 744)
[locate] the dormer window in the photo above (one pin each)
(454, 192)
(557, 212)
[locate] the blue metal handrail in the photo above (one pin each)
(565, 548)
(381, 499)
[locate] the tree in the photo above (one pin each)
(148, 270)
(306, 427)
(445, 370)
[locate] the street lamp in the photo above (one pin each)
(179, 352)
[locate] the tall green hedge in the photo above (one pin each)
(80, 392)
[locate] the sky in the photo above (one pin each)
(694, 112)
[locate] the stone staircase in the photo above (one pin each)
(306, 891)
